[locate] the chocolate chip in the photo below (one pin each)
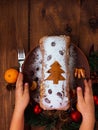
(50, 91)
(37, 69)
(59, 94)
(61, 52)
(37, 55)
(60, 103)
(53, 43)
(49, 57)
(47, 100)
(36, 79)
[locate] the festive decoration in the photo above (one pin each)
(55, 73)
(37, 109)
(53, 119)
(96, 100)
(93, 60)
(75, 116)
(79, 73)
(11, 75)
(34, 86)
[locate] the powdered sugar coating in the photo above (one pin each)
(57, 48)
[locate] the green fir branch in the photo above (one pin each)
(71, 126)
(93, 61)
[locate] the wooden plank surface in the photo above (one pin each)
(51, 17)
(13, 34)
(23, 23)
(88, 35)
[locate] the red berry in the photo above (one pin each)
(95, 100)
(75, 116)
(37, 109)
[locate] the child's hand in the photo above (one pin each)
(85, 104)
(21, 94)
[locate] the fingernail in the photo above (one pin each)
(79, 88)
(26, 84)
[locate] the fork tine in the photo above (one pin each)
(21, 58)
(21, 54)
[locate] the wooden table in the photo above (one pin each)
(24, 22)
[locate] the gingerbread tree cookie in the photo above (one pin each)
(55, 73)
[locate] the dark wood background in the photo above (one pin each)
(24, 22)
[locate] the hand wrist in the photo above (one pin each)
(88, 118)
(91, 121)
(19, 110)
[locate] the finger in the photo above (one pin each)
(19, 82)
(80, 98)
(88, 93)
(88, 87)
(90, 84)
(26, 88)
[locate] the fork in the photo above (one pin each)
(21, 58)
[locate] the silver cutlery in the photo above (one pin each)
(21, 58)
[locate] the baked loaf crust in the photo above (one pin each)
(54, 89)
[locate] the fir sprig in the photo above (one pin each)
(93, 61)
(71, 126)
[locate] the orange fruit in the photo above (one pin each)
(11, 75)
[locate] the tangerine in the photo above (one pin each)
(11, 75)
